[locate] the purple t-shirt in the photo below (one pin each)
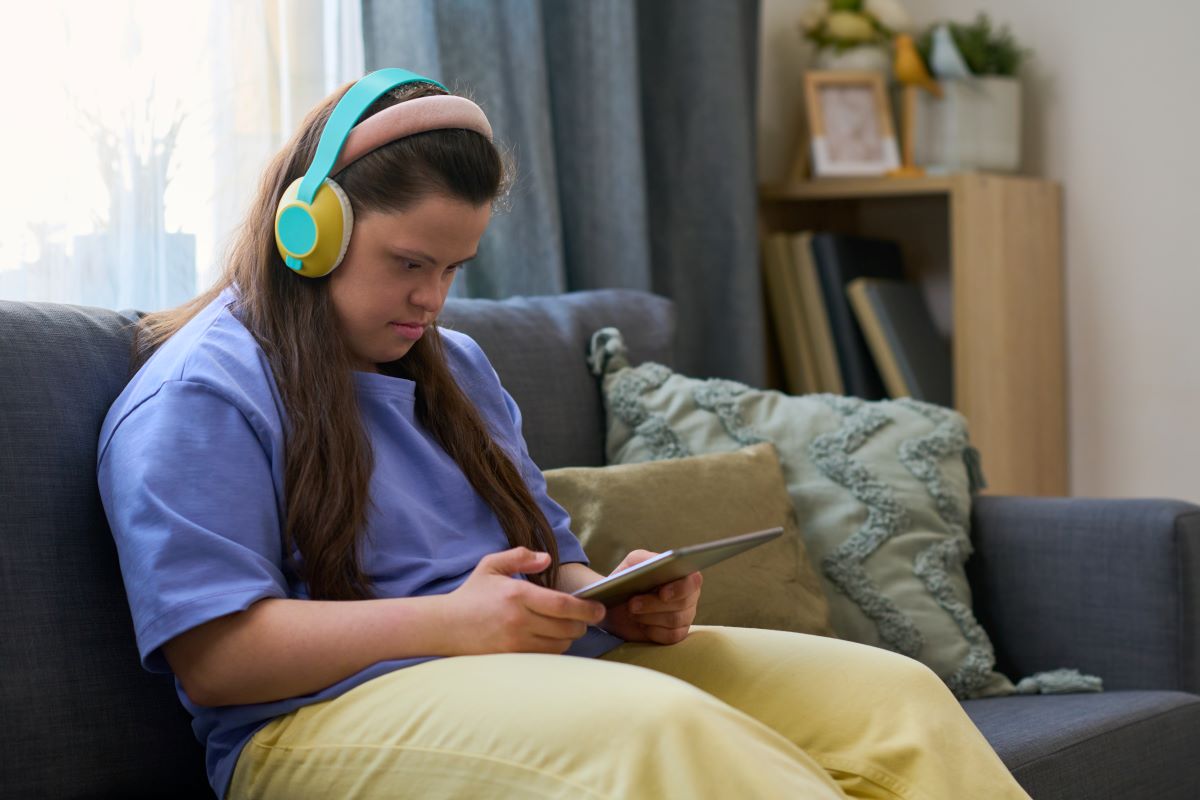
(191, 466)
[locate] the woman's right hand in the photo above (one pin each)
(491, 612)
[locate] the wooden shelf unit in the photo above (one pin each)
(988, 251)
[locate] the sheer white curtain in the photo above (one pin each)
(135, 132)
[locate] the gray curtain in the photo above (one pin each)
(632, 128)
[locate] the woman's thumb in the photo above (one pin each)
(519, 559)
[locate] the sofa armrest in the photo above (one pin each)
(1109, 587)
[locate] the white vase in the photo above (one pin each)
(863, 57)
(975, 125)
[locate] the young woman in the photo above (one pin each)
(332, 534)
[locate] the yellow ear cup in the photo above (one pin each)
(312, 239)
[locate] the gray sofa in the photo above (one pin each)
(1111, 587)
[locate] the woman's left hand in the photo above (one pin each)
(664, 616)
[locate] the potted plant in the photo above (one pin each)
(853, 34)
(977, 122)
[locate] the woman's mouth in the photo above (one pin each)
(408, 331)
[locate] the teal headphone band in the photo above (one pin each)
(346, 115)
(313, 218)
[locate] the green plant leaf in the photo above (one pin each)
(987, 51)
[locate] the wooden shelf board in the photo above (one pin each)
(855, 188)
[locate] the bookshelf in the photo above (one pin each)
(987, 251)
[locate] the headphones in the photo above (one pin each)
(314, 219)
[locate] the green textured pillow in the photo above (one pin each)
(665, 504)
(882, 491)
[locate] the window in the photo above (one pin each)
(136, 133)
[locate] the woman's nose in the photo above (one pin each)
(428, 294)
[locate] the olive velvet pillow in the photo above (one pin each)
(664, 504)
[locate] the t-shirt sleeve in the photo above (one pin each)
(187, 487)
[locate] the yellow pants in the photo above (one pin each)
(726, 713)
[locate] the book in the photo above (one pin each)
(816, 320)
(839, 260)
(912, 355)
(786, 313)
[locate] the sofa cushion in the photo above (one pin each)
(538, 346)
(81, 718)
(882, 491)
(662, 505)
(1109, 745)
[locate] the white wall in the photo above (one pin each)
(1112, 111)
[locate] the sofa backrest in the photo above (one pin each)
(539, 347)
(81, 718)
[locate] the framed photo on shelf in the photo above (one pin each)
(850, 124)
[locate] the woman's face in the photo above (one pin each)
(398, 269)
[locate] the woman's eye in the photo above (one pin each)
(452, 267)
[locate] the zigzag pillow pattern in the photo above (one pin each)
(882, 491)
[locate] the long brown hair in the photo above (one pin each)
(328, 456)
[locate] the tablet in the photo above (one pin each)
(670, 565)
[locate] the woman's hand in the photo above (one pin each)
(491, 612)
(663, 617)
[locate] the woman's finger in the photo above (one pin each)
(671, 619)
(685, 594)
(688, 584)
(555, 627)
(665, 635)
(634, 557)
(545, 644)
(649, 604)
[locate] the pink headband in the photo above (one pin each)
(422, 114)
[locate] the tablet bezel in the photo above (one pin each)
(646, 576)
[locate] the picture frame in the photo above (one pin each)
(850, 124)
